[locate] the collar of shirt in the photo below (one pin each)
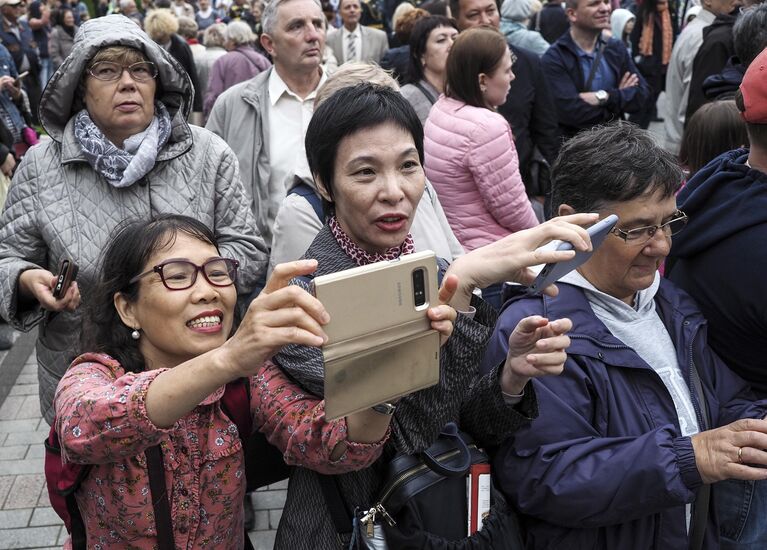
(277, 88)
(348, 33)
(593, 53)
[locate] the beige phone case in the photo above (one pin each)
(380, 345)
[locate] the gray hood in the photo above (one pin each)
(516, 10)
(58, 102)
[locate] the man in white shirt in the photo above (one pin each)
(354, 42)
(264, 119)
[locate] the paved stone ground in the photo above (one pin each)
(26, 519)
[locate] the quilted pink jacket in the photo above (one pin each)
(472, 163)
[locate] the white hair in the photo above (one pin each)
(269, 17)
(239, 33)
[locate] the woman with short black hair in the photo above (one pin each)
(365, 149)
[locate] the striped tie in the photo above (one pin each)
(351, 50)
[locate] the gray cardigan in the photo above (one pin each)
(421, 101)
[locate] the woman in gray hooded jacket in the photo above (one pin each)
(120, 149)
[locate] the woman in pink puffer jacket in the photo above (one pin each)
(470, 155)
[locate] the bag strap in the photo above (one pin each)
(702, 499)
(159, 492)
(303, 190)
(339, 513)
(425, 92)
(248, 58)
(595, 66)
(450, 431)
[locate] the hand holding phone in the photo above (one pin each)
(67, 274)
(551, 273)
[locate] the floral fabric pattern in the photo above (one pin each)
(102, 421)
(363, 257)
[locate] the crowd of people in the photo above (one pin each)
(202, 161)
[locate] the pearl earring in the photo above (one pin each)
(135, 334)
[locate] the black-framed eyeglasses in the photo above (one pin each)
(642, 235)
(182, 274)
(109, 71)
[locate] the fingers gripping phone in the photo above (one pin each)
(67, 273)
(552, 272)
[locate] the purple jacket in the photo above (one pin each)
(233, 67)
(472, 163)
(604, 465)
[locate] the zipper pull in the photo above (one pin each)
(386, 516)
(368, 520)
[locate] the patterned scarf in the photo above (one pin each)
(646, 39)
(362, 257)
(123, 167)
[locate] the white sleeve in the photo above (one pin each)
(295, 227)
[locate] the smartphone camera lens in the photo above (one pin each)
(419, 287)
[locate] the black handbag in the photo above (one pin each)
(423, 505)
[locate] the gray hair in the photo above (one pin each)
(617, 162)
(239, 33)
(125, 4)
(749, 35)
(187, 27)
(215, 35)
(269, 17)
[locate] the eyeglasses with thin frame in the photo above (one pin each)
(641, 235)
(109, 71)
(182, 274)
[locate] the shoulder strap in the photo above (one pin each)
(248, 58)
(595, 66)
(341, 515)
(303, 190)
(159, 492)
(538, 20)
(425, 92)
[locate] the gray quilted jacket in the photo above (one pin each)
(58, 206)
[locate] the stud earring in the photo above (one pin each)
(135, 334)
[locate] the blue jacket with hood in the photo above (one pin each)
(604, 465)
(721, 259)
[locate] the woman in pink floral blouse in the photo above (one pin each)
(160, 358)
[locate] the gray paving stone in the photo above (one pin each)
(26, 379)
(279, 485)
(25, 389)
(269, 500)
(274, 518)
(27, 438)
(13, 452)
(16, 426)
(6, 482)
(20, 467)
(30, 408)
(45, 516)
(31, 537)
(10, 519)
(263, 540)
(262, 520)
(63, 536)
(29, 368)
(11, 407)
(36, 451)
(44, 500)
(25, 492)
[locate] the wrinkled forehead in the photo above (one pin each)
(343, 3)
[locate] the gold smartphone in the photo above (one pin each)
(380, 342)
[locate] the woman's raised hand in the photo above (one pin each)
(282, 314)
(536, 348)
(734, 451)
(38, 284)
(510, 258)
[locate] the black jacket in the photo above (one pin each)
(551, 21)
(716, 49)
(180, 50)
(531, 111)
(721, 260)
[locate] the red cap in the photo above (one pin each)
(754, 90)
